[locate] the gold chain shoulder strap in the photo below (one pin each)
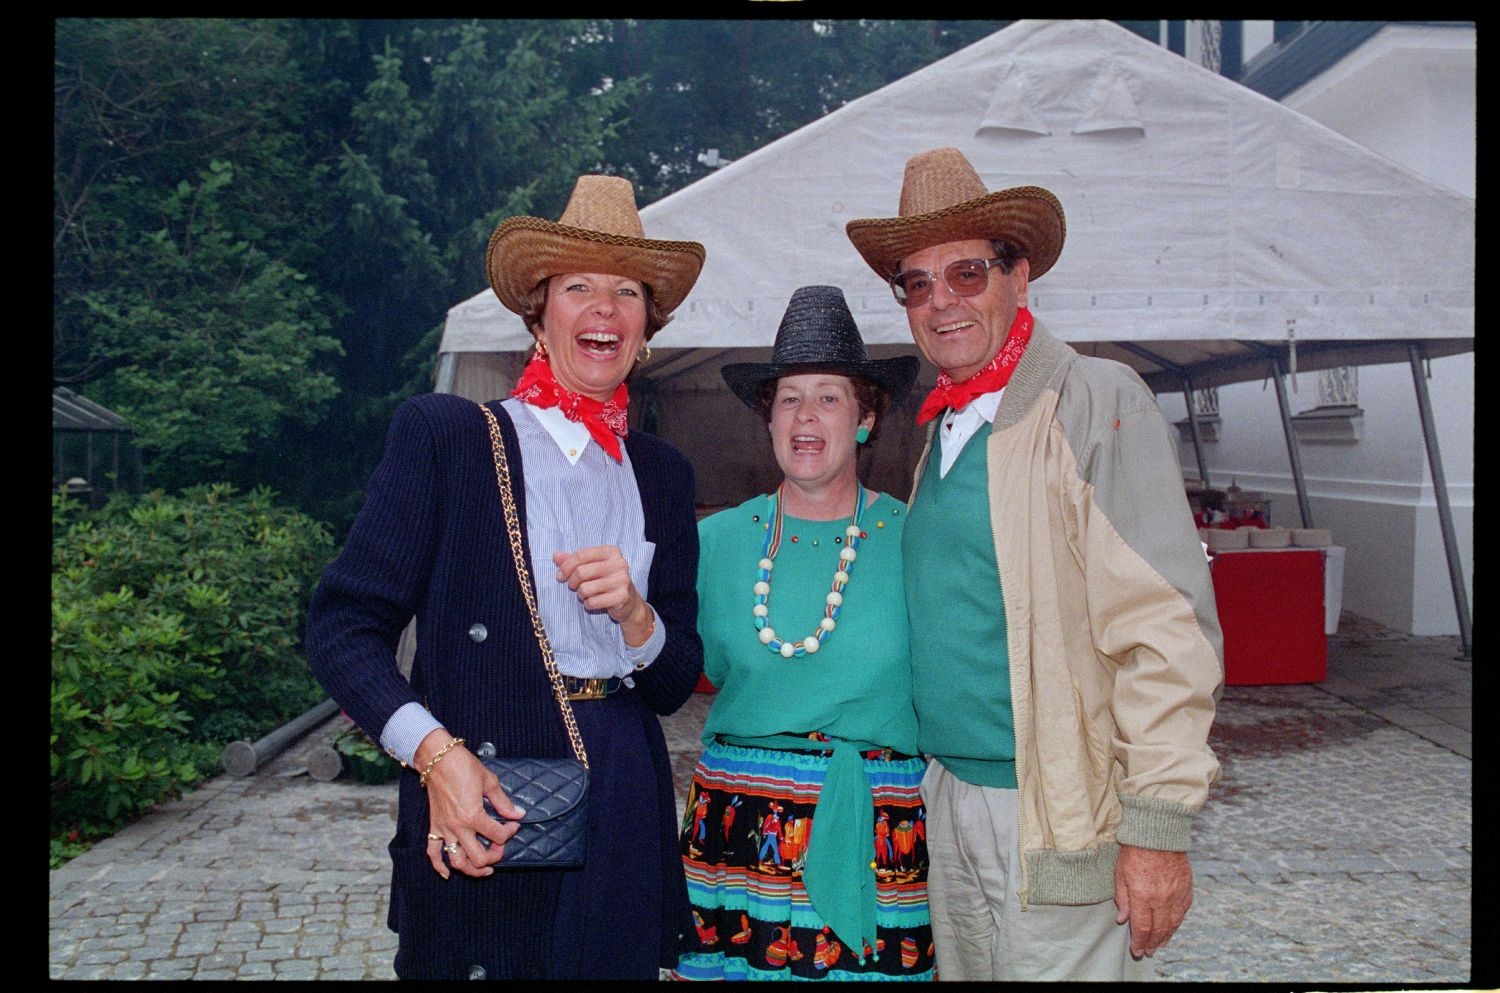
(513, 529)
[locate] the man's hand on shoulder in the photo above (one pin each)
(1153, 890)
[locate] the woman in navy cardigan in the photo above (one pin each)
(610, 538)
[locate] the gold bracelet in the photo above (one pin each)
(422, 782)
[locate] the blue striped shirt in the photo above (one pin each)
(577, 496)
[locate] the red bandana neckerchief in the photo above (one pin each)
(996, 374)
(605, 420)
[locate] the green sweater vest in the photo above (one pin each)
(960, 665)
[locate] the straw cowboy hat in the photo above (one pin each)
(943, 199)
(818, 333)
(599, 231)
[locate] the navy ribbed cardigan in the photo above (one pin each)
(430, 541)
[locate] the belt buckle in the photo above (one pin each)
(586, 689)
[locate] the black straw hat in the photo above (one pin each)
(818, 334)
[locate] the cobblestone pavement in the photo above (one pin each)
(273, 876)
(1336, 848)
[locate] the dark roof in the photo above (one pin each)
(71, 412)
(1287, 65)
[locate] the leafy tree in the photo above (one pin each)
(215, 346)
(184, 218)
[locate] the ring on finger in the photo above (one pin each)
(452, 848)
(434, 837)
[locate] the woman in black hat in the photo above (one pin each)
(809, 742)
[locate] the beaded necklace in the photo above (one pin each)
(834, 601)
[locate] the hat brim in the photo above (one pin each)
(894, 375)
(524, 251)
(1028, 217)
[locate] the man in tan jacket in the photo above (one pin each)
(1066, 651)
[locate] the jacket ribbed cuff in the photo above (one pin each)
(1072, 879)
(1159, 824)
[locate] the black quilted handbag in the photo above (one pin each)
(553, 792)
(554, 832)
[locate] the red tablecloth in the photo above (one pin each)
(1271, 609)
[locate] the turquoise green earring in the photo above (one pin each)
(862, 435)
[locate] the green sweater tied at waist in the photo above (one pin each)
(837, 873)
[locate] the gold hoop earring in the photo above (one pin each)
(541, 349)
(643, 355)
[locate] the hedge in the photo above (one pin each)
(176, 628)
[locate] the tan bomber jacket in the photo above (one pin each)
(1116, 656)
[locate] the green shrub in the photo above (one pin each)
(61, 851)
(176, 628)
(366, 761)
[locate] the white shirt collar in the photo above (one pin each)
(987, 405)
(958, 426)
(572, 437)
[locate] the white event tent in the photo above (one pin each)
(1213, 236)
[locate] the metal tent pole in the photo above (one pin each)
(1440, 492)
(1187, 393)
(1303, 506)
(446, 374)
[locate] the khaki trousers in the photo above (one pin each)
(978, 927)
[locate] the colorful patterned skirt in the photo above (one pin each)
(744, 839)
